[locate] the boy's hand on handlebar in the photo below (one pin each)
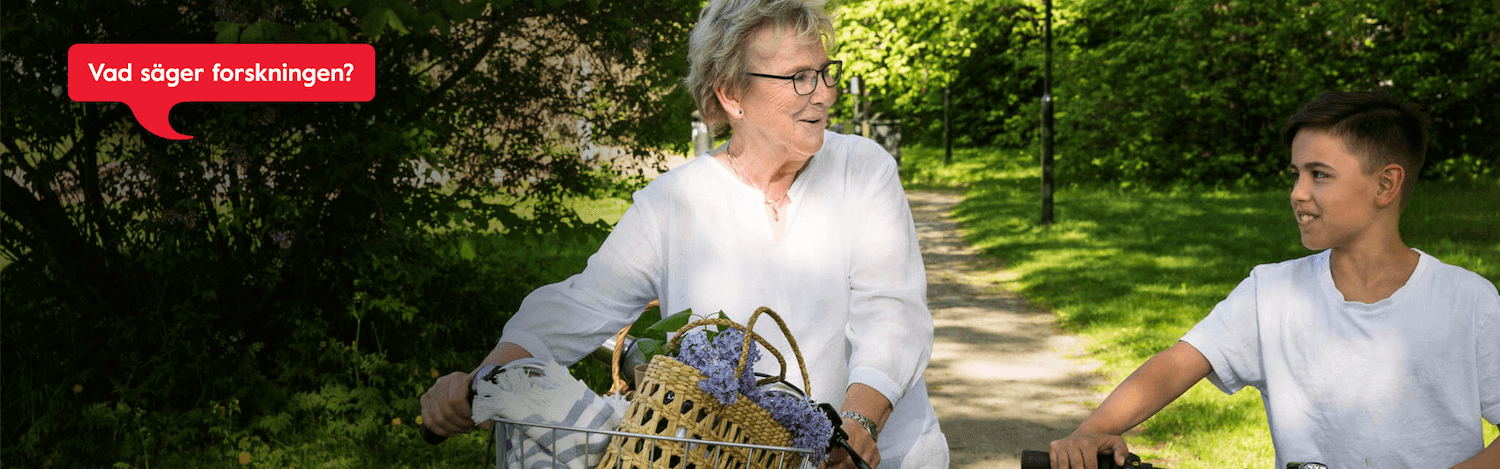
(1080, 451)
(445, 406)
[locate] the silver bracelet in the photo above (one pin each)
(863, 422)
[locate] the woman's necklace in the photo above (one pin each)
(775, 205)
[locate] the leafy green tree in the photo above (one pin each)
(295, 249)
(906, 52)
(1156, 92)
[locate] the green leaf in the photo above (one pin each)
(337, 4)
(394, 21)
(229, 33)
(651, 347)
(374, 21)
(670, 324)
(466, 249)
(251, 33)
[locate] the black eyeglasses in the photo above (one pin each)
(805, 82)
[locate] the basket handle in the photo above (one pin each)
(745, 347)
(677, 339)
(745, 350)
(618, 384)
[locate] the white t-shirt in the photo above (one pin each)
(847, 277)
(1401, 382)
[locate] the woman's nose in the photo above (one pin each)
(824, 95)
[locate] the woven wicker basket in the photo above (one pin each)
(670, 403)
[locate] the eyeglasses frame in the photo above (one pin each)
(823, 73)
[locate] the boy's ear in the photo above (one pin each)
(1390, 179)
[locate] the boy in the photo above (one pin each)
(1367, 354)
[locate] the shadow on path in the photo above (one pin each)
(1002, 378)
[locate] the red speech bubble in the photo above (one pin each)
(151, 78)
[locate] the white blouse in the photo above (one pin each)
(847, 277)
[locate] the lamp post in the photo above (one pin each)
(1047, 120)
(947, 126)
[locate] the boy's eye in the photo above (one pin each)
(1319, 175)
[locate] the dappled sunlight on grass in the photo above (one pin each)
(923, 167)
(607, 210)
(1176, 432)
(1458, 223)
(1132, 270)
(1112, 255)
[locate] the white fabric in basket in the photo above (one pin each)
(537, 391)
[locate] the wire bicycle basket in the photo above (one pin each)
(539, 445)
(669, 422)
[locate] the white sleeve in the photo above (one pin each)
(1488, 327)
(890, 329)
(1230, 339)
(571, 318)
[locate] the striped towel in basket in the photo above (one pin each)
(538, 391)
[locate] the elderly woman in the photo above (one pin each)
(810, 223)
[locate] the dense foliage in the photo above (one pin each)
(905, 52)
(303, 267)
(1151, 92)
(1156, 91)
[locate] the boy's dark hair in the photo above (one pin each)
(1372, 125)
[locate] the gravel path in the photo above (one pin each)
(1002, 377)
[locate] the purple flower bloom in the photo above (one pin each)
(809, 427)
(716, 359)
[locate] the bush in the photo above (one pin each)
(295, 273)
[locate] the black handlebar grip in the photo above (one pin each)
(1041, 460)
(1035, 460)
(430, 437)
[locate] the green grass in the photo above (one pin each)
(1132, 270)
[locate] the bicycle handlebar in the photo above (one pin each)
(430, 437)
(1042, 460)
(840, 438)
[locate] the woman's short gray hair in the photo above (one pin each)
(717, 52)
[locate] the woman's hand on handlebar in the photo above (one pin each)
(445, 406)
(1080, 451)
(860, 440)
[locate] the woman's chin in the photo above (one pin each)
(810, 144)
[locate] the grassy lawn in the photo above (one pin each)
(1132, 270)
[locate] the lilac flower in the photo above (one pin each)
(809, 427)
(716, 359)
